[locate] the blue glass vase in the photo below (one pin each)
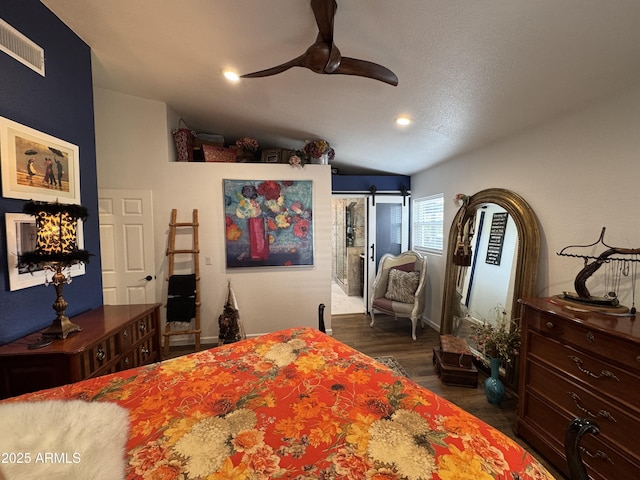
(493, 387)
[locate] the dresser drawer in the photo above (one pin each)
(145, 352)
(125, 338)
(143, 327)
(142, 354)
(595, 373)
(604, 461)
(625, 353)
(126, 361)
(98, 358)
(616, 424)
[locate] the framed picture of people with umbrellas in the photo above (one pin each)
(37, 166)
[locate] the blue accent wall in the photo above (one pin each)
(363, 183)
(61, 105)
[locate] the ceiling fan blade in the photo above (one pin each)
(362, 68)
(325, 11)
(324, 57)
(296, 62)
(334, 59)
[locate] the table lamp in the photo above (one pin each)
(56, 249)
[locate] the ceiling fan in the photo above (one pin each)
(324, 57)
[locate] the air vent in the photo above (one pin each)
(16, 45)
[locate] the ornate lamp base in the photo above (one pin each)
(61, 326)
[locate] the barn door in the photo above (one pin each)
(387, 232)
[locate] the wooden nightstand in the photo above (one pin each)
(113, 338)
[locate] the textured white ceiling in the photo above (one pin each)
(470, 71)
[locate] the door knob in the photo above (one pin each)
(148, 278)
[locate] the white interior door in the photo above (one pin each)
(127, 246)
(387, 232)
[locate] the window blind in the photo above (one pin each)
(428, 218)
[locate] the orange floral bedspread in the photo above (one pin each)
(295, 404)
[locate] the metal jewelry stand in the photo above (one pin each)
(608, 303)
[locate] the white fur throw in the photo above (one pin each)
(63, 440)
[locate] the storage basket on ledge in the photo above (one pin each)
(219, 154)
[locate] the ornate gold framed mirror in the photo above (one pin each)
(526, 249)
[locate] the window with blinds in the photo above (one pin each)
(428, 218)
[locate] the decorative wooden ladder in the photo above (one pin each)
(195, 252)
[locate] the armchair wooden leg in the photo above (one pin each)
(373, 318)
(414, 323)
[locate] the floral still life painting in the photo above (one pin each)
(268, 223)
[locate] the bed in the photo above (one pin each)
(293, 404)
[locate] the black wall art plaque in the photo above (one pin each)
(496, 238)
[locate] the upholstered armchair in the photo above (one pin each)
(398, 288)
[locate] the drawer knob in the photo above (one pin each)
(143, 327)
(144, 351)
(590, 337)
(100, 354)
(125, 333)
(550, 325)
(126, 362)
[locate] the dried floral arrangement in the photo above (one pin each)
(311, 150)
(247, 144)
(500, 339)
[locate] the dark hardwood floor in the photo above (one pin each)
(393, 337)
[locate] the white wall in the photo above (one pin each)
(134, 150)
(579, 173)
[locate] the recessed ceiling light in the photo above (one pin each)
(403, 120)
(231, 76)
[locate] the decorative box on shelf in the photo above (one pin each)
(454, 375)
(219, 154)
(208, 139)
(276, 155)
(271, 155)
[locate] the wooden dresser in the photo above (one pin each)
(113, 338)
(578, 364)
